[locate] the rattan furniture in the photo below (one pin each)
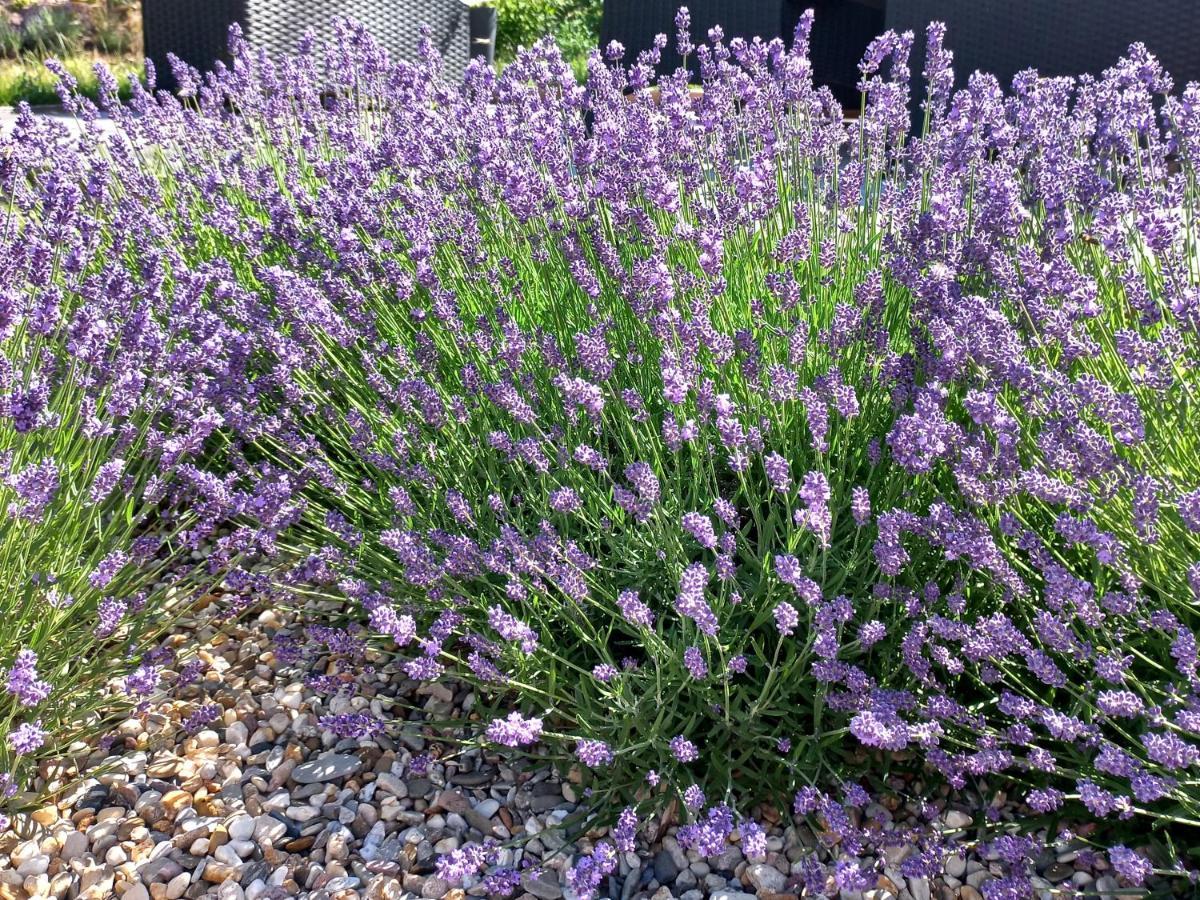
(196, 30)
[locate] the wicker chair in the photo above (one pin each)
(196, 30)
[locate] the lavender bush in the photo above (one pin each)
(733, 451)
(112, 386)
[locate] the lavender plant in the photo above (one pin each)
(732, 450)
(110, 392)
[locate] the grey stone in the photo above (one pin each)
(545, 888)
(665, 868)
(329, 767)
(766, 878)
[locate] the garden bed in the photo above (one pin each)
(822, 492)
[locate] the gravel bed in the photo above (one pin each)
(262, 802)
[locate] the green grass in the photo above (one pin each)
(27, 78)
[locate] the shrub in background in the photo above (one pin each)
(52, 31)
(575, 25)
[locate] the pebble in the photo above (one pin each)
(240, 828)
(263, 804)
(329, 767)
(665, 868)
(956, 819)
(178, 885)
(766, 878)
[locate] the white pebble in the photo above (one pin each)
(227, 855)
(267, 828)
(240, 827)
(177, 885)
(35, 865)
(73, 845)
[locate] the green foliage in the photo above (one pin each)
(53, 30)
(575, 25)
(29, 80)
(10, 39)
(49, 560)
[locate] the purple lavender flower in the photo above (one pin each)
(683, 749)
(871, 633)
(1131, 866)
(726, 512)
(1120, 703)
(786, 618)
(463, 862)
(634, 610)
(592, 753)
(777, 472)
(1189, 510)
(202, 716)
(693, 660)
(515, 730)
(35, 487)
(512, 629)
(23, 681)
(358, 725)
(860, 505)
(586, 876)
(690, 601)
(883, 729)
(693, 798)
(625, 832)
(502, 882)
(700, 527)
(708, 836)
(1170, 751)
(27, 737)
(754, 840)
(565, 500)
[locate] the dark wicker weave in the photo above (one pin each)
(1057, 37)
(196, 30)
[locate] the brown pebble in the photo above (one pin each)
(46, 816)
(174, 801)
(300, 843)
(886, 884)
(216, 873)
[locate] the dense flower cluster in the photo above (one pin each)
(116, 382)
(708, 433)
